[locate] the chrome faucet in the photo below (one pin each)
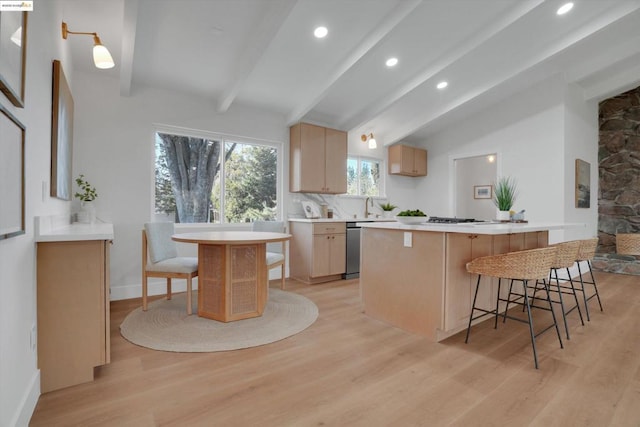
(366, 207)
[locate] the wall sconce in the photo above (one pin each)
(372, 141)
(101, 56)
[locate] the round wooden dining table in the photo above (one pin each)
(233, 278)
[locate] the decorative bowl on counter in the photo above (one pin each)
(411, 219)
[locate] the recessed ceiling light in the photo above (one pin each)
(392, 62)
(442, 85)
(320, 32)
(565, 8)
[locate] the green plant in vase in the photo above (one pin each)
(387, 208)
(504, 196)
(86, 196)
(89, 193)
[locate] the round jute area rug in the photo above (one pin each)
(165, 325)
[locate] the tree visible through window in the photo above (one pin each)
(363, 177)
(198, 181)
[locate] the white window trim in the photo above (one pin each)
(224, 137)
(383, 175)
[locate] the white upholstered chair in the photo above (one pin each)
(276, 252)
(160, 259)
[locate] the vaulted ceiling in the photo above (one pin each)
(263, 53)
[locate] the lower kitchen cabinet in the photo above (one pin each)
(73, 311)
(318, 251)
(460, 285)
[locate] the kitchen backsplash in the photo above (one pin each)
(343, 207)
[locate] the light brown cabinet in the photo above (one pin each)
(424, 287)
(73, 311)
(460, 285)
(318, 159)
(408, 161)
(318, 251)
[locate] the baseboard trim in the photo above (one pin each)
(28, 403)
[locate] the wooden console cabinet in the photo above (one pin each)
(318, 251)
(73, 311)
(317, 159)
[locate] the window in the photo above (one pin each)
(212, 179)
(364, 177)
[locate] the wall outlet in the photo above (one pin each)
(33, 338)
(408, 239)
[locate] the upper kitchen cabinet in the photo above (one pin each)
(318, 160)
(407, 161)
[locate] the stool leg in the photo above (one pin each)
(553, 315)
(473, 307)
(595, 287)
(575, 296)
(564, 316)
(506, 308)
(533, 337)
(495, 323)
(584, 293)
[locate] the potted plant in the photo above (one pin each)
(387, 208)
(86, 196)
(504, 196)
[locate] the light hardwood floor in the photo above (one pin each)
(350, 370)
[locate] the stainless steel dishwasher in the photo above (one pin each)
(353, 251)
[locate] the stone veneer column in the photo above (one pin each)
(619, 179)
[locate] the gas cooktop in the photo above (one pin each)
(445, 220)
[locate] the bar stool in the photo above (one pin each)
(628, 244)
(524, 266)
(586, 253)
(565, 257)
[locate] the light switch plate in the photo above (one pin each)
(408, 239)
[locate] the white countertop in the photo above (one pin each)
(475, 228)
(362, 219)
(58, 229)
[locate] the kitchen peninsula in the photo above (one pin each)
(414, 276)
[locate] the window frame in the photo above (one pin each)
(382, 182)
(224, 138)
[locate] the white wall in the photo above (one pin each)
(536, 134)
(580, 142)
(114, 149)
(470, 172)
(19, 376)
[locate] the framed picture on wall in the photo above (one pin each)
(12, 173)
(482, 192)
(583, 184)
(13, 54)
(61, 135)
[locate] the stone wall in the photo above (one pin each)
(619, 179)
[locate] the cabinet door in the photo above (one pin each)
(460, 287)
(335, 162)
(312, 154)
(420, 162)
(321, 256)
(338, 254)
(407, 160)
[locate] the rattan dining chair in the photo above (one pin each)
(628, 244)
(586, 254)
(160, 259)
(524, 266)
(276, 252)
